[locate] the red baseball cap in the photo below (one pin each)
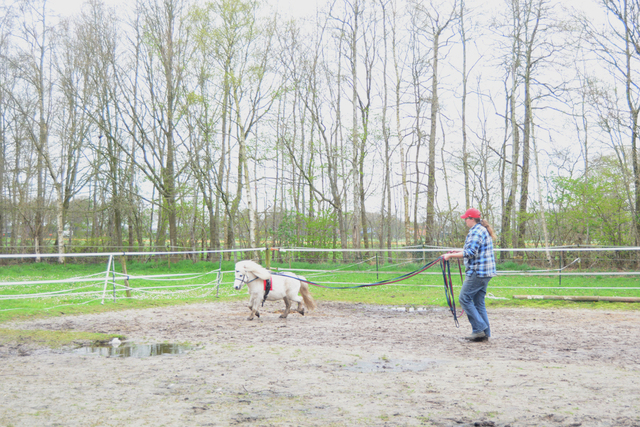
(471, 213)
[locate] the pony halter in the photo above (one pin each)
(242, 279)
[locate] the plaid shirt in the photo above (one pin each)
(478, 253)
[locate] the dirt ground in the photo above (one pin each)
(341, 365)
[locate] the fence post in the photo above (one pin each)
(123, 260)
(561, 261)
(267, 257)
(106, 278)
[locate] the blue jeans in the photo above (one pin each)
(471, 299)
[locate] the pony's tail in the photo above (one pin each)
(306, 295)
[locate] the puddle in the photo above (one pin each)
(390, 365)
(126, 349)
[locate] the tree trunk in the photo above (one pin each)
(526, 140)
(399, 131)
(465, 154)
(431, 180)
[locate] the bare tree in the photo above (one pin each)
(5, 121)
(429, 21)
(165, 47)
(522, 58)
(348, 33)
(71, 127)
(465, 78)
(319, 92)
(33, 66)
(397, 66)
(385, 205)
(619, 45)
(253, 92)
(437, 21)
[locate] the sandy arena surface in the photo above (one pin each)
(341, 365)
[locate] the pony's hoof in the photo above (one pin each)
(283, 316)
(257, 314)
(301, 311)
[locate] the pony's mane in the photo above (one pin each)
(255, 268)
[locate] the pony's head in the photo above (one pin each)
(247, 272)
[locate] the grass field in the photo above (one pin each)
(188, 282)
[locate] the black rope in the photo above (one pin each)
(446, 274)
(381, 282)
(448, 289)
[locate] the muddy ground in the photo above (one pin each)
(342, 365)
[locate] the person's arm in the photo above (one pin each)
(453, 254)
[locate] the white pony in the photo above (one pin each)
(262, 285)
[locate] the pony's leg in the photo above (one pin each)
(298, 299)
(287, 308)
(250, 308)
(253, 306)
(300, 308)
(292, 293)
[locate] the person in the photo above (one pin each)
(480, 267)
